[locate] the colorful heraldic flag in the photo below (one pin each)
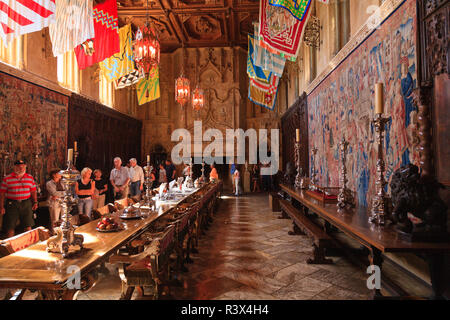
(129, 79)
(267, 60)
(74, 24)
(18, 17)
(279, 30)
(296, 7)
(106, 41)
(262, 44)
(262, 98)
(148, 88)
(253, 71)
(121, 63)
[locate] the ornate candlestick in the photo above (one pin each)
(189, 181)
(4, 156)
(345, 196)
(313, 182)
(148, 195)
(69, 238)
(203, 172)
(75, 156)
(380, 202)
(37, 175)
(298, 177)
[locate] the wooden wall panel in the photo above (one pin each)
(296, 117)
(102, 134)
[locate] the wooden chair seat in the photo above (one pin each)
(148, 268)
(23, 240)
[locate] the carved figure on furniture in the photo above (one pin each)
(420, 197)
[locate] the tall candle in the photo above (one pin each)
(75, 146)
(379, 99)
(297, 134)
(69, 154)
(148, 158)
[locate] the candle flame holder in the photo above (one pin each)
(313, 182)
(300, 180)
(148, 184)
(345, 196)
(380, 211)
(69, 238)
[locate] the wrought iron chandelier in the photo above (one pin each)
(146, 47)
(182, 87)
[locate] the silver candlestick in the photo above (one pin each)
(148, 184)
(75, 156)
(300, 180)
(380, 203)
(203, 172)
(69, 238)
(345, 196)
(313, 182)
(4, 156)
(37, 173)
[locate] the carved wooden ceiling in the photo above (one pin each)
(193, 23)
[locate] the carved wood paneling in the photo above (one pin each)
(296, 117)
(102, 134)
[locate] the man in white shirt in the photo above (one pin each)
(120, 177)
(137, 178)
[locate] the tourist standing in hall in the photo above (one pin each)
(137, 178)
(18, 189)
(162, 174)
(213, 175)
(56, 192)
(119, 178)
(236, 180)
(85, 189)
(171, 171)
(101, 186)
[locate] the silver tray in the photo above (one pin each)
(126, 217)
(108, 231)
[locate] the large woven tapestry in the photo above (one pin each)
(343, 105)
(33, 120)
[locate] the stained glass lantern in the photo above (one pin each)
(146, 49)
(182, 90)
(198, 99)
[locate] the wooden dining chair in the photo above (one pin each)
(17, 243)
(150, 268)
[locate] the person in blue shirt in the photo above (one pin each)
(170, 171)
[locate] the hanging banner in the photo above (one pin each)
(279, 30)
(266, 60)
(148, 88)
(297, 8)
(253, 71)
(74, 24)
(262, 98)
(22, 17)
(121, 63)
(106, 41)
(129, 79)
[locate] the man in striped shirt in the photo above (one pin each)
(18, 190)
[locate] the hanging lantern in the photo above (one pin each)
(198, 99)
(182, 90)
(146, 49)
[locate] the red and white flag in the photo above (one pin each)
(18, 17)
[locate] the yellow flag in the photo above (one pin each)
(122, 62)
(148, 87)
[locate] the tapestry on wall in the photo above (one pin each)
(32, 120)
(343, 105)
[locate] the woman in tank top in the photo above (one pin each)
(85, 188)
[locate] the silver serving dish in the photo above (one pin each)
(131, 213)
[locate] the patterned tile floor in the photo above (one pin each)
(247, 254)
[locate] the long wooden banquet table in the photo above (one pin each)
(378, 240)
(35, 268)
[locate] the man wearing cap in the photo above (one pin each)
(120, 178)
(18, 199)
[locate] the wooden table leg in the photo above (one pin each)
(437, 275)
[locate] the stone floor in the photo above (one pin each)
(246, 254)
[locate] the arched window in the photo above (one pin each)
(106, 91)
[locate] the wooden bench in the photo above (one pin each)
(321, 239)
